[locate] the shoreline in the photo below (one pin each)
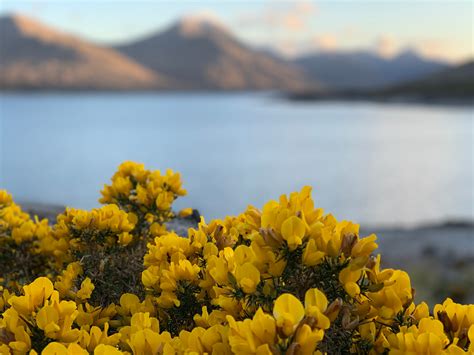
(385, 98)
(293, 97)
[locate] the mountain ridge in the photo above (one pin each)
(36, 56)
(454, 85)
(193, 53)
(218, 59)
(363, 69)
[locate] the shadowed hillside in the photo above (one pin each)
(453, 82)
(364, 70)
(453, 85)
(202, 54)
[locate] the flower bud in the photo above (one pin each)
(444, 318)
(348, 242)
(293, 349)
(333, 309)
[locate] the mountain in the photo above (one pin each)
(196, 53)
(364, 69)
(201, 53)
(457, 82)
(35, 56)
(453, 86)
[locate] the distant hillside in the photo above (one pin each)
(34, 56)
(455, 82)
(202, 54)
(365, 70)
(453, 85)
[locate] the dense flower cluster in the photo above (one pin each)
(20, 244)
(287, 279)
(148, 195)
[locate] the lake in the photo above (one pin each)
(377, 164)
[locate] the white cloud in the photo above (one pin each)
(325, 42)
(290, 47)
(292, 17)
(438, 49)
(386, 46)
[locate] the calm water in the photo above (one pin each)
(372, 163)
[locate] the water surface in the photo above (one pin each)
(372, 163)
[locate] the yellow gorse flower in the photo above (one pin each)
(284, 279)
(253, 336)
(426, 338)
(316, 304)
(288, 312)
(35, 295)
(60, 349)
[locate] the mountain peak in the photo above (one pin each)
(199, 52)
(200, 24)
(15, 18)
(408, 53)
(22, 25)
(22, 22)
(413, 57)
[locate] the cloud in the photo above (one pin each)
(438, 49)
(194, 22)
(325, 42)
(350, 32)
(291, 17)
(386, 46)
(290, 47)
(203, 15)
(289, 27)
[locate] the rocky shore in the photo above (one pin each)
(439, 258)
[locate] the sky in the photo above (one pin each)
(435, 29)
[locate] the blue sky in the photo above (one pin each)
(440, 29)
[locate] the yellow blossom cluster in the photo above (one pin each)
(20, 244)
(286, 279)
(14, 222)
(147, 194)
(103, 227)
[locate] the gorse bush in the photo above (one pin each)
(21, 259)
(287, 279)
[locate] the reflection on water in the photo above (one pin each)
(372, 163)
